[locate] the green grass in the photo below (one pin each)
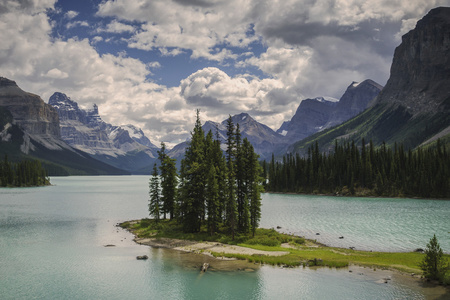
(300, 252)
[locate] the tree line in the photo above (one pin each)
(364, 170)
(221, 191)
(22, 174)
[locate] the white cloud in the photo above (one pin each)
(77, 23)
(311, 48)
(71, 14)
(117, 27)
(56, 74)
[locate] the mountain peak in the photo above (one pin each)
(420, 70)
(5, 82)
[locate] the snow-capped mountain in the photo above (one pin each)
(125, 147)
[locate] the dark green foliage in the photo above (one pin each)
(434, 264)
(364, 170)
(22, 174)
(154, 203)
(219, 191)
(169, 182)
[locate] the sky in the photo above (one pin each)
(152, 63)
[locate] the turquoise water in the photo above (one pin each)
(52, 247)
(364, 223)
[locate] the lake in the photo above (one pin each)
(52, 246)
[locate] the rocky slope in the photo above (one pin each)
(314, 115)
(311, 116)
(29, 129)
(124, 147)
(414, 106)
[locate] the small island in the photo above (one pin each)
(213, 207)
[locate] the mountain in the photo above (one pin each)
(125, 147)
(320, 113)
(414, 106)
(265, 141)
(310, 117)
(29, 129)
(355, 100)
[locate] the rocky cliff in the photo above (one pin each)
(314, 115)
(355, 99)
(29, 129)
(124, 147)
(311, 116)
(414, 107)
(29, 111)
(420, 71)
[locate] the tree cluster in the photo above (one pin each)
(354, 170)
(213, 189)
(22, 174)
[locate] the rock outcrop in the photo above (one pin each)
(124, 147)
(29, 129)
(413, 108)
(320, 113)
(420, 71)
(29, 111)
(311, 116)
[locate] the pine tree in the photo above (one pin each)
(193, 180)
(154, 202)
(169, 182)
(434, 264)
(231, 209)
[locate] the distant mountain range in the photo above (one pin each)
(124, 147)
(29, 129)
(412, 109)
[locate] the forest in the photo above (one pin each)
(363, 171)
(22, 174)
(213, 190)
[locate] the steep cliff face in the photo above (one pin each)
(123, 147)
(29, 129)
(29, 111)
(420, 71)
(414, 107)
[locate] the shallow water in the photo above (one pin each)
(378, 224)
(52, 247)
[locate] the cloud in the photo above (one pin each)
(117, 27)
(76, 24)
(56, 74)
(71, 14)
(304, 48)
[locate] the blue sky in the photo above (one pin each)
(153, 63)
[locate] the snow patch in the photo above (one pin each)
(284, 132)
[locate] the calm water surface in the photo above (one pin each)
(52, 246)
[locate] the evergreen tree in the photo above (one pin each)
(231, 208)
(169, 182)
(434, 264)
(194, 177)
(155, 199)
